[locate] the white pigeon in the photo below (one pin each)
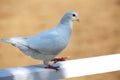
(48, 44)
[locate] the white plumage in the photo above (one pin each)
(48, 44)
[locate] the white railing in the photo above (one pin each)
(68, 69)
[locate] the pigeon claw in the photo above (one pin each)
(55, 60)
(53, 67)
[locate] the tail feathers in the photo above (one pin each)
(15, 41)
(5, 40)
(9, 41)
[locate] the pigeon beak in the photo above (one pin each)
(78, 20)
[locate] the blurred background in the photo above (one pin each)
(97, 34)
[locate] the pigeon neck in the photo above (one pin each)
(66, 21)
(65, 28)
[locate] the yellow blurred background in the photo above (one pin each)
(97, 34)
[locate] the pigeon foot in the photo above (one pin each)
(52, 67)
(55, 60)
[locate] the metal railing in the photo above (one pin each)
(68, 69)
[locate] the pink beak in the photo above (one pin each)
(78, 20)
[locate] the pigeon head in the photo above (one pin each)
(70, 17)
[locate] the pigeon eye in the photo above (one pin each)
(73, 15)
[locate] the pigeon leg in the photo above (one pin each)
(52, 67)
(55, 60)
